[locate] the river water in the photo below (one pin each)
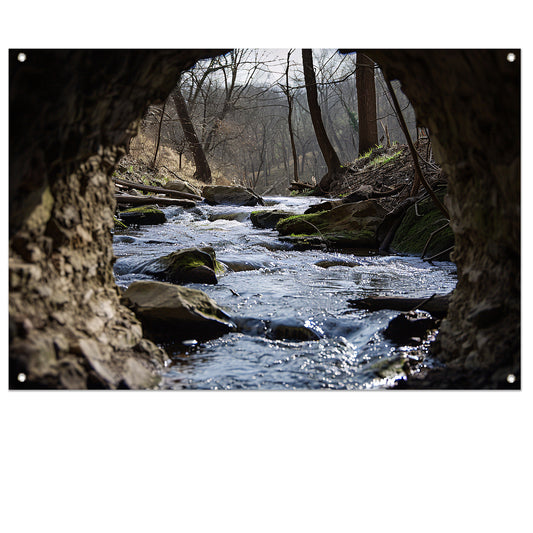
(268, 282)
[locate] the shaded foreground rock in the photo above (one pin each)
(171, 312)
(345, 226)
(225, 194)
(409, 328)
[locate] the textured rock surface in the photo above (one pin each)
(71, 115)
(142, 216)
(181, 186)
(416, 228)
(170, 312)
(268, 219)
(230, 195)
(348, 225)
(190, 265)
(470, 100)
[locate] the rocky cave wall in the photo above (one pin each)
(470, 101)
(72, 113)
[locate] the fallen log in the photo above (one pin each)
(436, 306)
(128, 199)
(159, 190)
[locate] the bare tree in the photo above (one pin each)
(158, 139)
(329, 154)
(286, 89)
(203, 172)
(366, 103)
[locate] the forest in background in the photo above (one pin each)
(240, 106)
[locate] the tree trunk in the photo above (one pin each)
(203, 172)
(366, 103)
(329, 154)
(289, 119)
(159, 134)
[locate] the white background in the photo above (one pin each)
(281, 461)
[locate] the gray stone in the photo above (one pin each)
(170, 312)
(268, 219)
(225, 194)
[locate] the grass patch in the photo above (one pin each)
(385, 158)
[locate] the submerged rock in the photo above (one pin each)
(288, 329)
(171, 312)
(268, 219)
(335, 262)
(146, 215)
(230, 195)
(390, 367)
(292, 330)
(239, 217)
(345, 226)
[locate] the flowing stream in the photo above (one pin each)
(269, 282)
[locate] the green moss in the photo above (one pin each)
(309, 192)
(369, 153)
(119, 224)
(414, 231)
(142, 209)
(305, 223)
(143, 215)
(347, 225)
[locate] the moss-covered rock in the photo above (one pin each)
(351, 225)
(415, 230)
(268, 219)
(323, 206)
(190, 265)
(145, 215)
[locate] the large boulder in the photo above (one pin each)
(189, 265)
(145, 215)
(170, 312)
(345, 226)
(181, 186)
(230, 195)
(268, 219)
